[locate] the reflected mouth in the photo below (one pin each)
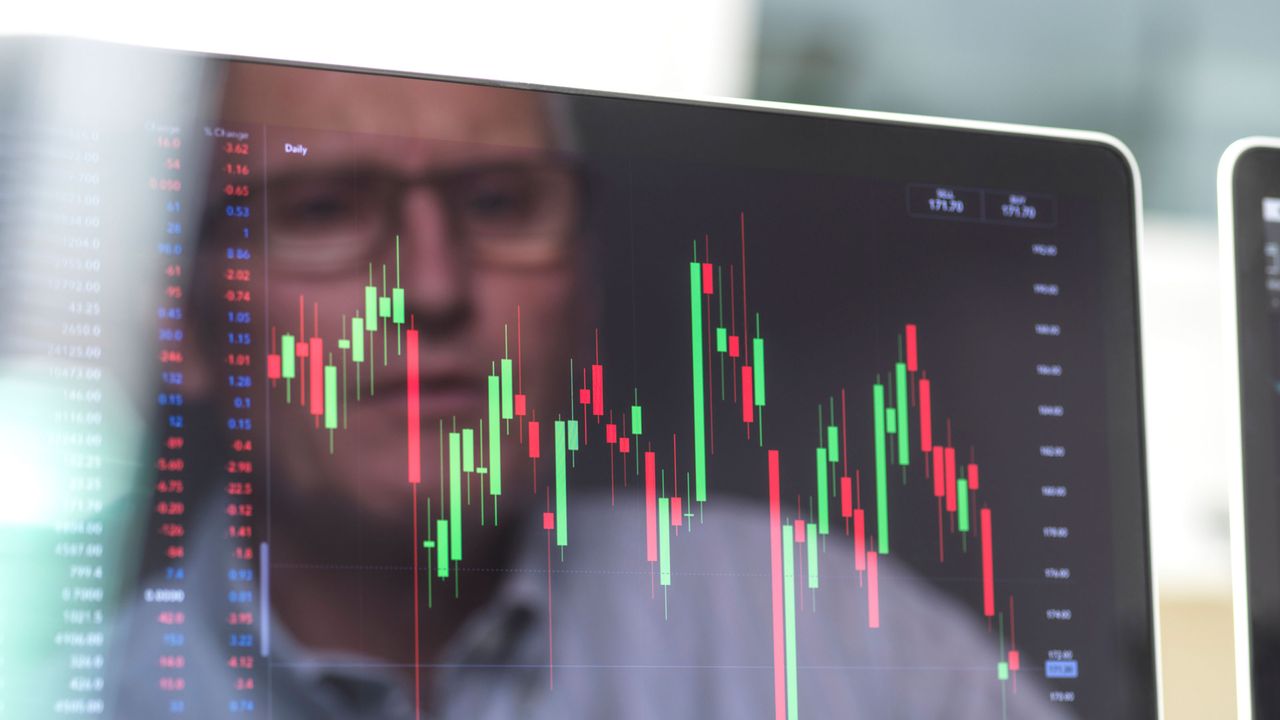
(443, 395)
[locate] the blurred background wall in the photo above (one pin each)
(1176, 80)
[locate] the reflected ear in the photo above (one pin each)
(199, 365)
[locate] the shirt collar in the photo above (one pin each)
(500, 632)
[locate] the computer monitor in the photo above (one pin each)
(1249, 223)
(342, 393)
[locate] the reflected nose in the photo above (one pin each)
(433, 264)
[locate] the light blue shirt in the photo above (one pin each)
(624, 648)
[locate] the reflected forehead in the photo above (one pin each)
(404, 107)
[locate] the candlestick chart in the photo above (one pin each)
(332, 359)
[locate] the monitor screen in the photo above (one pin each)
(1250, 206)
(341, 394)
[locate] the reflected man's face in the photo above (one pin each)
(468, 180)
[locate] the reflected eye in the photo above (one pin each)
(519, 215)
(308, 207)
(496, 198)
(323, 222)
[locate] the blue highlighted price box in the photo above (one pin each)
(1061, 669)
